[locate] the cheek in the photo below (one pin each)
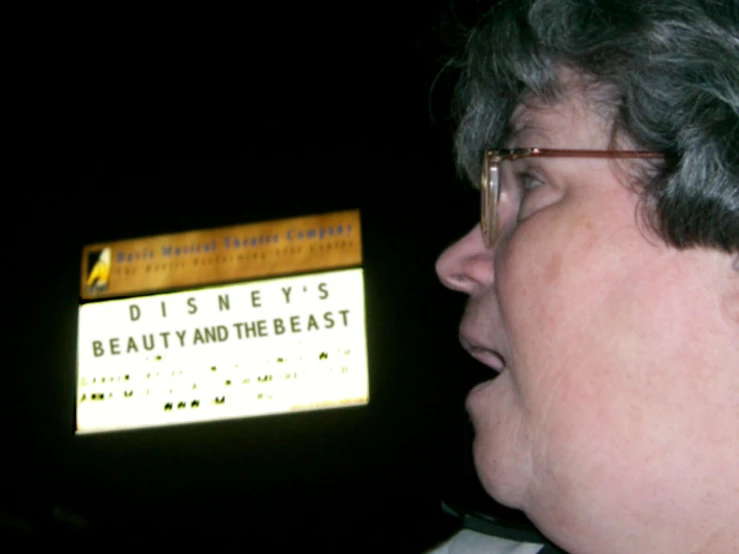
(548, 282)
(600, 331)
(556, 270)
(555, 278)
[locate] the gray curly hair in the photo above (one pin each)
(672, 71)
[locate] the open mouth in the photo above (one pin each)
(488, 357)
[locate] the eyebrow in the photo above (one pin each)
(523, 120)
(515, 130)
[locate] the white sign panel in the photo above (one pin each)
(264, 347)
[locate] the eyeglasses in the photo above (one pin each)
(490, 182)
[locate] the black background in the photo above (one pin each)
(170, 119)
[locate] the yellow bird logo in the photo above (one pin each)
(100, 273)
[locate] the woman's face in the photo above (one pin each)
(612, 348)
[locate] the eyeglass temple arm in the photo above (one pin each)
(593, 153)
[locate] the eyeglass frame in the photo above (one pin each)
(490, 178)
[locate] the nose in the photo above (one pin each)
(467, 265)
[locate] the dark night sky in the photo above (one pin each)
(181, 119)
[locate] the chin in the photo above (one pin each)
(500, 478)
(501, 445)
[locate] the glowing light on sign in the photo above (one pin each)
(263, 347)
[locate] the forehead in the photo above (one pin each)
(580, 107)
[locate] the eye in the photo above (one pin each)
(528, 181)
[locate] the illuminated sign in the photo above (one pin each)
(228, 254)
(225, 351)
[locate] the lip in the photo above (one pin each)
(479, 387)
(482, 352)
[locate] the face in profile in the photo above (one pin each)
(608, 350)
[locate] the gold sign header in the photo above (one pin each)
(227, 254)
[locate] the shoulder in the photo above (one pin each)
(471, 542)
